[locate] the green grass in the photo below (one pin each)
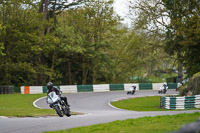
(140, 104)
(158, 124)
(151, 103)
(20, 105)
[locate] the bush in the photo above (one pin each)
(193, 86)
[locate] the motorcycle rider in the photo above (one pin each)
(51, 88)
(132, 90)
(164, 87)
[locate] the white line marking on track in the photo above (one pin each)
(3, 117)
(109, 103)
(34, 103)
(117, 99)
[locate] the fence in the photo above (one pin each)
(95, 88)
(185, 102)
(6, 89)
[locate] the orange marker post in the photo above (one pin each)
(26, 89)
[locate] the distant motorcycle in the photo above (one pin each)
(163, 88)
(131, 90)
(58, 105)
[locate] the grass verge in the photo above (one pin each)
(21, 105)
(151, 103)
(157, 124)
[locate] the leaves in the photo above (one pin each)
(184, 32)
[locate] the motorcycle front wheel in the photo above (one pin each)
(58, 111)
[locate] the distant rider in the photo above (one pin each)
(133, 88)
(164, 87)
(51, 88)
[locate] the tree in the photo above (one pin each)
(19, 38)
(2, 32)
(70, 45)
(150, 22)
(184, 32)
(50, 9)
(91, 24)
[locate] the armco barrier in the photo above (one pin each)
(101, 88)
(69, 88)
(185, 102)
(84, 88)
(172, 85)
(31, 90)
(116, 87)
(156, 86)
(145, 86)
(128, 86)
(96, 88)
(44, 88)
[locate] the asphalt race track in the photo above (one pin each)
(96, 107)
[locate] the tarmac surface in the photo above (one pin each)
(96, 109)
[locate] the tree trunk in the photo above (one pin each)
(94, 77)
(41, 6)
(85, 72)
(39, 78)
(69, 72)
(40, 74)
(180, 68)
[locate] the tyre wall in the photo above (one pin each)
(176, 102)
(95, 88)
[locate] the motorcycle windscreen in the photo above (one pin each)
(52, 97)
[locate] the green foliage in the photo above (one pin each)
(2, 32)
(149, 26)
(183, 33)
(83, 34)
(85, 44)
(21, 44)
(191, 86)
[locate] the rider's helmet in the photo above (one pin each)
(49, 85)
(164, 84)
